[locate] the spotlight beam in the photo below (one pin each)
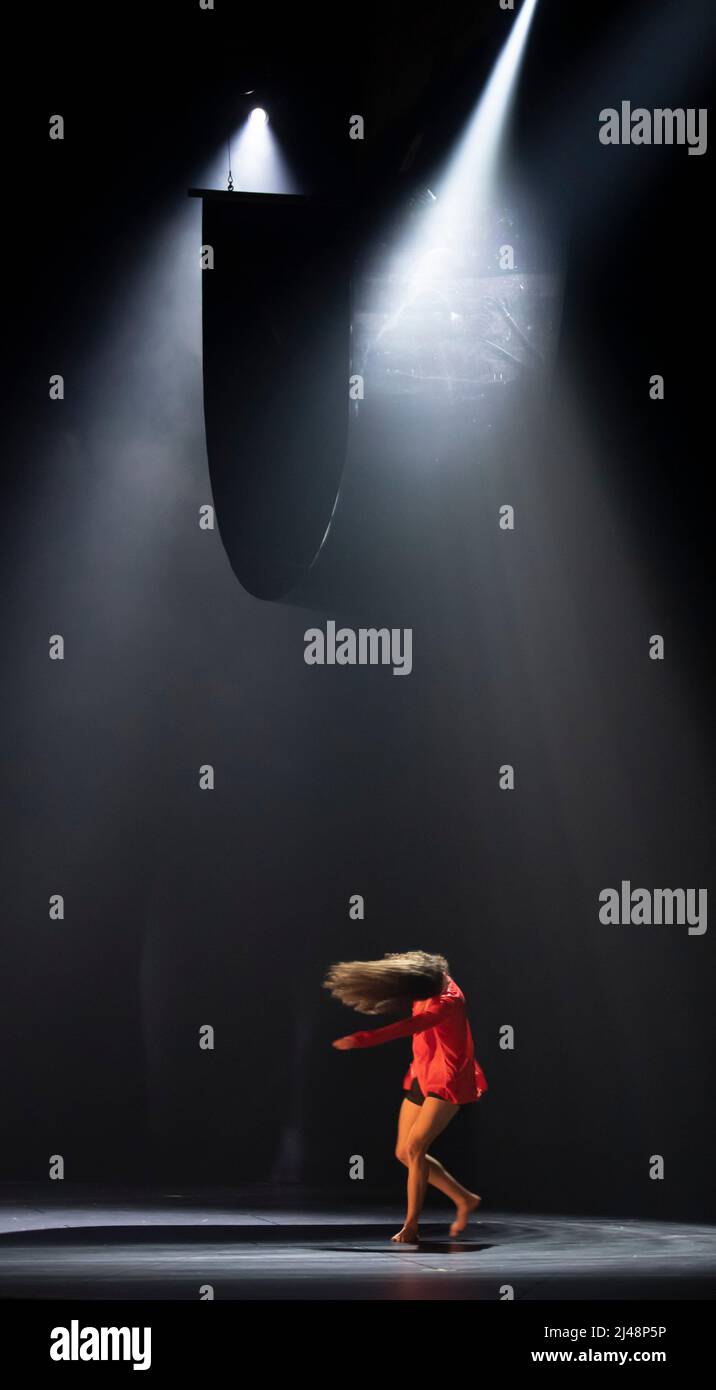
(468, 182)
(472, 170)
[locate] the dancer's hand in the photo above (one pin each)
(343, 1044)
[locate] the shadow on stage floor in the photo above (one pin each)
(185, 1244)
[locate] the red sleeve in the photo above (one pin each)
(418, 1023)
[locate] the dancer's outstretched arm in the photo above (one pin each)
(418, 1023)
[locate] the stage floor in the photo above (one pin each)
(248, 1246)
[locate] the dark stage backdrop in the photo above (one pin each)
(186, 907)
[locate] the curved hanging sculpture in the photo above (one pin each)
(276, 339)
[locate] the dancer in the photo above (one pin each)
(442, 1076)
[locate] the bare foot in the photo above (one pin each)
(464, 1210)
(408, 1236)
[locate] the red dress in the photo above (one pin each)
(444, 1061)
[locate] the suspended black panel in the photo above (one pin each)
(276, 326)
(350, 520)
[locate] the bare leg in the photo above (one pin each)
(431, 1119)
(465, 1200)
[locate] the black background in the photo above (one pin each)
(184, 909)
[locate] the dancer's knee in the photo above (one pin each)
(401, 1153)
(416, 1149)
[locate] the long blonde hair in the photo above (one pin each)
(388, 985)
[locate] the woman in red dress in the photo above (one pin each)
(443, 1074)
